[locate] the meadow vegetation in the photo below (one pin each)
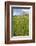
(20, 25)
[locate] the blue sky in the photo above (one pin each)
(19, 11)
(16, 11)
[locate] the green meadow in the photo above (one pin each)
(20, 25)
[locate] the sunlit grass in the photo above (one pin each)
(20, 25)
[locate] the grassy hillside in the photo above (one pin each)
(20, 25)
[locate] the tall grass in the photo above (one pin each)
(20, 25)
